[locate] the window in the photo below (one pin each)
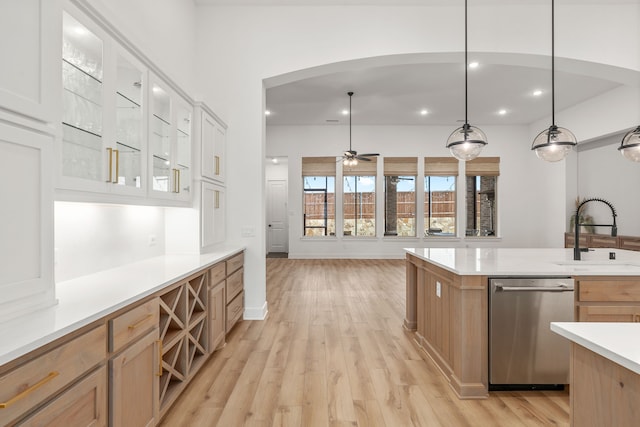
(319, 201)
(481, 191)
(440, 196)
(359, 199)
(400, 196)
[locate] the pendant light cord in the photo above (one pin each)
(466, 66)
(553, 67)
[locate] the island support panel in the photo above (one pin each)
(451, 321)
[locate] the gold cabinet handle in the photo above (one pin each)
(140, 322)
(30, 390)
(117, 153)
(178, 189)
(159, 373)
(216, 203)
(110, 154)
(176, 179)
(217, 164)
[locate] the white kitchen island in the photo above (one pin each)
(447, 298)
(605, 372)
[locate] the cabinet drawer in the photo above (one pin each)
(235, 263)
(609, 290)
(630, 243)
(131, 325)
(217, 273)
(234, 284)
(82, 405)
(608, 313)
(598, 241)
(32, 383)
(234, 311)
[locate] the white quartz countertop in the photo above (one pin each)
(531, 261)
(88, 298)
(618, 342)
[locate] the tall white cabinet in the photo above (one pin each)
(211, 177)
(27, 113)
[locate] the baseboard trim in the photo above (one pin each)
(256, 313)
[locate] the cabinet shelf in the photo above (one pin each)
(83, 72)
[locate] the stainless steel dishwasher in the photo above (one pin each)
(523, 352)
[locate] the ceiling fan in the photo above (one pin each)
(351, 156)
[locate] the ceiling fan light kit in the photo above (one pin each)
(553, 144)
(351, 156)
(466, 142)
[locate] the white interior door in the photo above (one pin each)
(277, 233)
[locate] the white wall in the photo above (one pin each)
(239, 47)
(604, 173)
(529, 215)
(164, 30)
(92, 237)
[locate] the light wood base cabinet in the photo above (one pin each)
(216, 317)
(134, 373)
(83, 405)
(603, 393)
(608, 299)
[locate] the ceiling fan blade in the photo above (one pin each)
(366, 159)
(369, 154)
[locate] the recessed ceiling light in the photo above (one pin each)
(473, 64)
(274, 160)
(345, 112)
(267, 113)
(502, 112)
(424, 112)
(537, 92)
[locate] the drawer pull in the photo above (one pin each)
(30, 390)
(159, 373)
(140, 322)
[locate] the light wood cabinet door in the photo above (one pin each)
(216, 317)
(134, 384)
(82, 405)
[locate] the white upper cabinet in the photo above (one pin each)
(212, 145)
(103, 144)
(29, 31)
(170, 129)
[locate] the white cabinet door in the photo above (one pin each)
(213, 143)
(29, 44)
(26, 229)
(212, 214)
(170, 130)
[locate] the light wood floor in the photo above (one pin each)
(333, 353)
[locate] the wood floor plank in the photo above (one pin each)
(333, 352)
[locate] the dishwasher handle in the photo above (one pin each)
(560, 288)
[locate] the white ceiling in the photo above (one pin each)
(395, 94)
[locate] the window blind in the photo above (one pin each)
(318, 166)
(400, 166)
(440, 166)
(483, 166)
(363, 168)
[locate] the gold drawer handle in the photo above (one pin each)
(110, 154)
(140, 322)
(30, 390)
(217, 164)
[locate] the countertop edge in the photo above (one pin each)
(564, 329)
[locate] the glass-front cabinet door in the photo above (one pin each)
(129, 151)
(160, 138)
(82, 150)
(182, 167)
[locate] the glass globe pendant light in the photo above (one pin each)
(555, 143)
(466, 142)
(630, 145)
